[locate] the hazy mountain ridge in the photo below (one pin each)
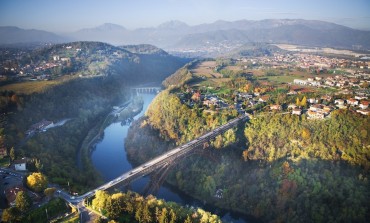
(178, 35)
(12, 34)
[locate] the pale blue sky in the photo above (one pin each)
(71, 15)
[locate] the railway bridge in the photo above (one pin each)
(146, 89)
(165, 159)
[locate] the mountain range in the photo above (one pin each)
(177, 35)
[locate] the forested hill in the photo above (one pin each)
(96, 58)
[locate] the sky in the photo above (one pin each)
(71, 15)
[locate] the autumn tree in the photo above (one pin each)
(11, 214)
(304, 102)
(37, 182)
(22, 201)
(100, 200)
(12, 154)
(49, 192)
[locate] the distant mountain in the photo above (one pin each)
(220, 35)
(108, 32)
(11, 35)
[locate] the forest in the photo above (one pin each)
(131, 207)
(277, 168)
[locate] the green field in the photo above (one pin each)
(31, 87)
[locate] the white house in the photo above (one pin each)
(20, 165)
(300, 82)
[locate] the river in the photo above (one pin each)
(110, 159)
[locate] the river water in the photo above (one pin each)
(110, 159)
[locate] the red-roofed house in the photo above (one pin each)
(352, 102)
(11, 194)
(364, 104)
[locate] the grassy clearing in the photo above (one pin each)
(34, 86)
(205, 69)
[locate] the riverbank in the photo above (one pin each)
(126, 111)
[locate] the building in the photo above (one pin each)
(20, 165)
(352, 102)
(292, 106)
(300, 82)
(313, 101)
(315, 115)
(11, 194)
(364, 104)
(296, 111)
(363, 112)
(339, 102)
(275, 107)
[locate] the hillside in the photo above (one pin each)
(99, 76)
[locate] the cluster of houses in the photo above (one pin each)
(359, 103)
(312, 62)
(338, 81)
(320, 111)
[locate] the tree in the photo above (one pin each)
(49, 192)
(22, 201)
(100, 200)
(297, 102)
(304, 102)
(115, 205)
(38, 165)
(188, 219)
(37, 182)
(146, 214)
(11, 215)
(12, 154)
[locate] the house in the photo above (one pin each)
(296, 111)
(20, 165)
(275, 107)
(315, 115)
(300, 82)
(292, 92)
(326, 98)
(352, 102)
(246, 95)
(292, 106)
(313, 100)
(363, 112)
(264, 98)
(315, 83)
(339, 102)
(364, 104)
(315, 108)
(196, 96)
(357, 97)
(327, 109)
(11, 194)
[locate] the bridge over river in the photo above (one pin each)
(157, 162)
